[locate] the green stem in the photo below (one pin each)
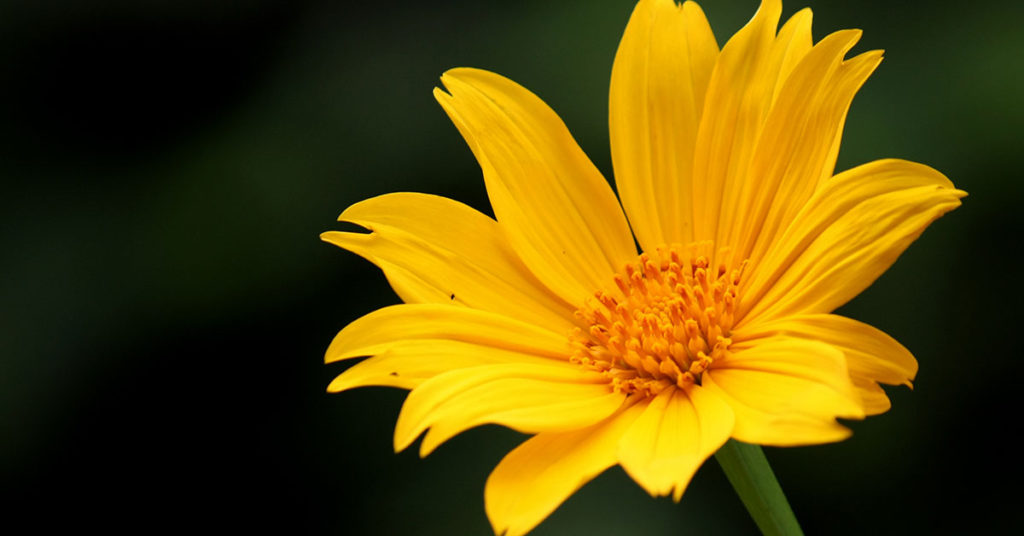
(750, 475)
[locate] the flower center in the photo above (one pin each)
(668, 317)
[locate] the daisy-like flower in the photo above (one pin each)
(549, 321)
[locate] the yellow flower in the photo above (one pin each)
(548, 321)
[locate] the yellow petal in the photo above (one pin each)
(559, 213)
(794, 151)
(785, 391)
(870, 353)
(524, 404)
(435, 250)
(527, 387)
(659, 80)
(408, 363)
(738, 99)
(849, 232)
(872, 396)
(872, 356)
(538, 475)
(744, 189)
(386, 328)
(791, 45)
(677, 431)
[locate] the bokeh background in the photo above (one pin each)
(165, 301)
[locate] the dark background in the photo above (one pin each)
(165, 301)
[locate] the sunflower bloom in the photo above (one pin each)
(549, 321)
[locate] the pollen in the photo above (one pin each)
(664, 320)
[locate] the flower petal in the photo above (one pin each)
(872, 356)
(677, 431)
(538, 475)
(561, 216)
(849, 232)
(418, 412)
(389, 327)
(659, 80)
(785, 391)
(435, 250)
(738, 99)
(413, 343)
(530, 398)
(792, 43)
(408, 363)
(870, 353)
(872, 396)
(794, 152)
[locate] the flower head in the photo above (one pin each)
(549, 321)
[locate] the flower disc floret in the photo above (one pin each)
(666, 319)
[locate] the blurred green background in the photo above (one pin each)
(167, 167)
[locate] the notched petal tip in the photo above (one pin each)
(803, 13)
(441, 95)
(446, 77)
(851, 34)
(467, 75)
(343, 239)
(342, 383)
(456, 72)
(838, 44)
(771, 9)
(878, 54)
(349, 216)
